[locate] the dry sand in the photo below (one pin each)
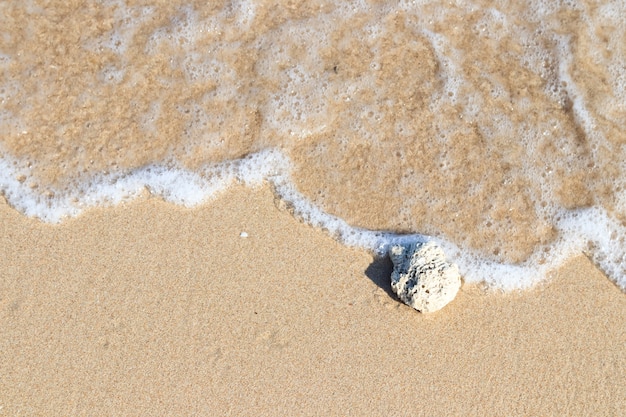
(150, 309)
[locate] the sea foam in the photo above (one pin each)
(589, 231)
(494, 129)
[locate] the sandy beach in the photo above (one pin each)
(149, 309)
(495, 127)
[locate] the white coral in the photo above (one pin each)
(422, 278)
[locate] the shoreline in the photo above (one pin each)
(152, 309)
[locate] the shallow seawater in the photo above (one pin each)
(495, 128)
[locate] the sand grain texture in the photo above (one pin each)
(150, 309)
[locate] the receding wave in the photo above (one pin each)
(179, 186)
(494, 128)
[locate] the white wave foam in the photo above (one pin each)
(590, 230)
(300, 107)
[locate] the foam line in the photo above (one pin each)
(590, 230)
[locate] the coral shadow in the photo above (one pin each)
(379, 271)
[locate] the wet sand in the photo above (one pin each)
(482, 124)
(152, 309)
